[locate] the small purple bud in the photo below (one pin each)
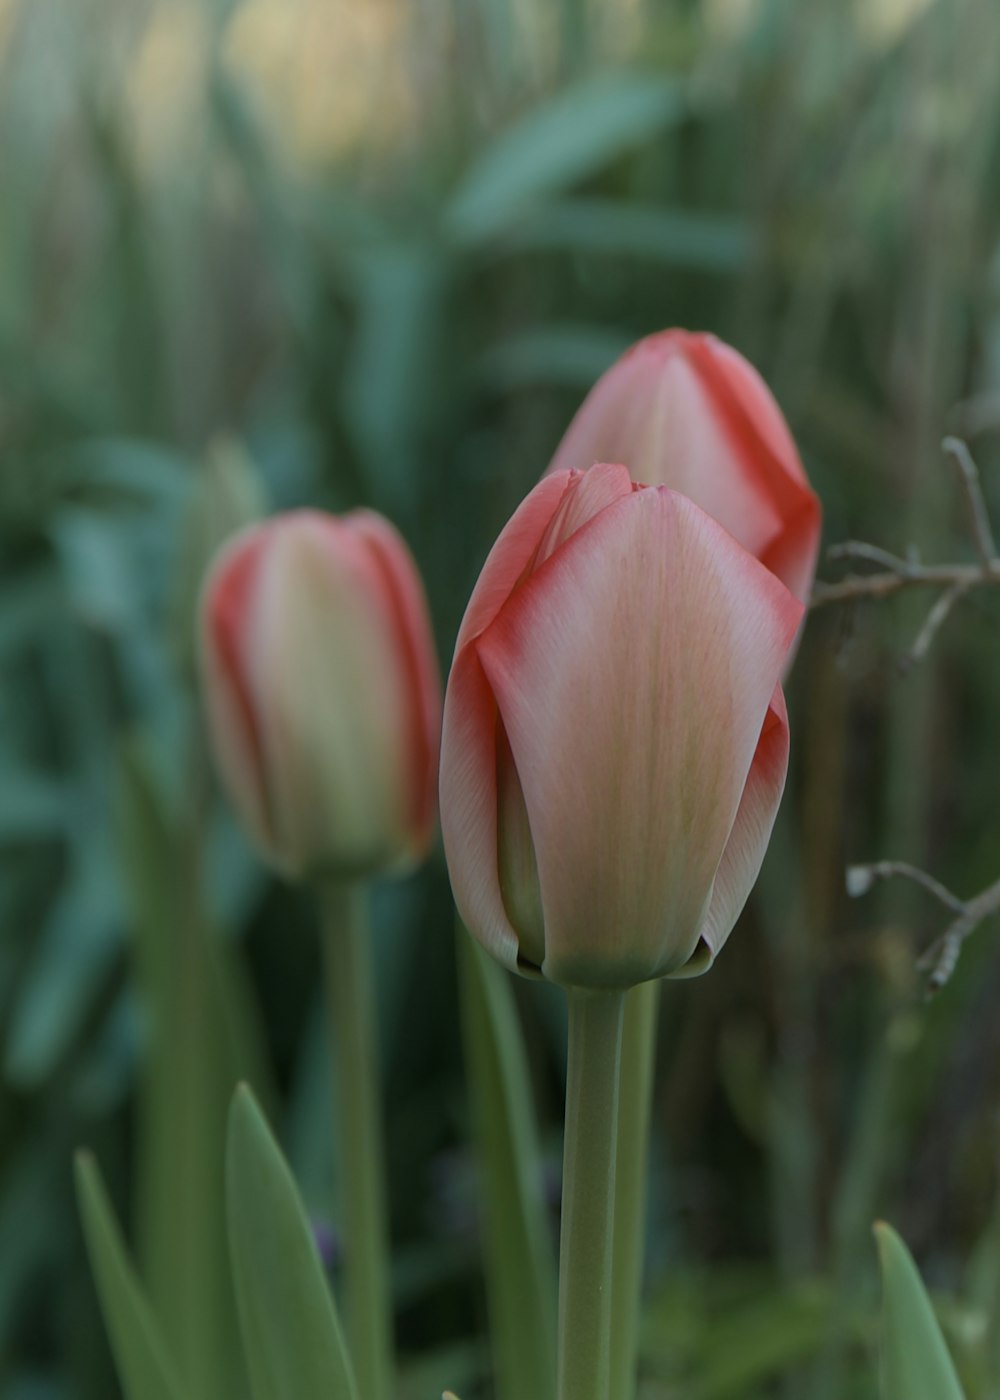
(328, 1243)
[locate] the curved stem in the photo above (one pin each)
(589, 1155)
(360, 1152)
(642, 1007)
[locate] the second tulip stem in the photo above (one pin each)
(360, 1152)
(589, 1155)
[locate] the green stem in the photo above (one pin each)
(360, 1152)
(586, 1242)
(642, 1007)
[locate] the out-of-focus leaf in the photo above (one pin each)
(32, 807)
(520, 1264)
(28, 601)
(730, 1333)
(201, 1043)
(145, 1368)
(982, 1286)
(131, 470)
(29, 1227)
(573, 135)
(390, 385)
(227, 496)
(915, 1360)
(567, 356)
(466, 1363)
(618, 228)
(291, 1333)
(72, 958)
(35, 1386)
(98, 557)
(105, 1072)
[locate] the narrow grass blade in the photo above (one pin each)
(520, 1261)
(915, 1360)
(145, 1369)
(573, 135)
(291, 1334)
(201, 1043)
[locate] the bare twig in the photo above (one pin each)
(860, 879)
(937, 616)
(883, 585)
(940, 959)
(979, 516)
(859, 549)
(896, 573)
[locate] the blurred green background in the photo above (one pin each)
(377, 253)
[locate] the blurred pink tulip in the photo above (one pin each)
(687, 411)
(322, 692)
(615, 738)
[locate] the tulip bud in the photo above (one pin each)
(322, 692)
(615, 737)
(687, 411)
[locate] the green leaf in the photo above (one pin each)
(291, 1333)
(33, 807)
(915, 1360)
(69, 965)
(520, 1264)
(572, 136)
(566, 355)
(617, 228)
(145, 1368)
(200, 1045)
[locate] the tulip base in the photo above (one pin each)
(360, 1152)
(586, 1246)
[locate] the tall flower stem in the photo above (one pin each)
(642, 1007)
(587, 1235)
(360, 1151)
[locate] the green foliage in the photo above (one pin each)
(575, 134)
(293, 1342)
(385, 254)
(915, 1360)
(145, 1366)
(201, 1043)
(520, 1266)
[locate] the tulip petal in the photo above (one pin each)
(332, 697)
(586, 495)
(686, 411)
(747, 844)
(754, 421)
(511, 555)
(558, 506)
(633, 673)
(229, 596)
(469, 804)
(408, 609)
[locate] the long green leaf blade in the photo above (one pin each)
(573, 135)
(916, 1364)
(145, 1369)
(291, 1333)
(520, 1262)
(200, 1045)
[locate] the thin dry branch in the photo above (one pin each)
(954, 581)
(940, 959)
(895, 573)
(979, 516)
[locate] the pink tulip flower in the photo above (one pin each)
(687, 411)
(322, 692)
(615, 738)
